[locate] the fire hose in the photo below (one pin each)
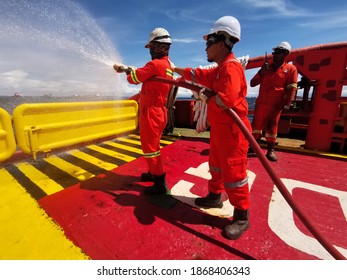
(279, 184)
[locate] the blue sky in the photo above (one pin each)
(264, 23)
(122, 28)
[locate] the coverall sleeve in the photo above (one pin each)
(291, 86)
(201, 76)
(227, 86)
(198, 75)
(255, 80)
(140, 75)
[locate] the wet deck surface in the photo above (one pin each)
(89, 203)
(284, 142)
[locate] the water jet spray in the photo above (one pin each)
(58, 47)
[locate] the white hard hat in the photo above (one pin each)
(227, 24)
(283, 46)
(159, 35)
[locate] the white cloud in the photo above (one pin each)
(275, 7)
(189, 15)
(185, 40)
(14, 76)
(305, 18)
(327, 20)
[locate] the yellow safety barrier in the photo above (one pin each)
(42, 127)
(7, 140)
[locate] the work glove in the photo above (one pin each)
(119, 67)
(195, 94)
(202, 96)
(130, 68)
(264, 68)
(243, 60)
(285, 109)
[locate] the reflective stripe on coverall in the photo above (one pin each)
(228, 145)
(153, 113)
(273, 94)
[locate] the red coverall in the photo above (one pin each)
(275, 91)
(228, 145)
(153, 113)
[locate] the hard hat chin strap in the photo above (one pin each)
(158, 50)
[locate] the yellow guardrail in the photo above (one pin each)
(42, 127)
(7, 140)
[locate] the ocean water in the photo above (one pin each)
(251, 102)
(9, 103)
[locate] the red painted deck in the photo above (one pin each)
(109, 217)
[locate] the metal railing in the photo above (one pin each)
(42, 127)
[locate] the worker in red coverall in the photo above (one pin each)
(278, 85)
(153, 113)
(228, 145)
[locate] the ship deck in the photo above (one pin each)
(88, 203)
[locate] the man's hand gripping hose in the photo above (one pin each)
(121, 68)
(279, 184)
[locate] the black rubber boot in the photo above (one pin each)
(212, 200)
(147, 177)
(159, 186)
(251, 152)
(239, 225)
(271, 156)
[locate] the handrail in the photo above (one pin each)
(42, 127)
(7, 140)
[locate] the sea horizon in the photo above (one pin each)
(9, 103)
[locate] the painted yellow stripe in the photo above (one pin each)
(161, 140)
(135, 136)
(127, 140)
(332, 155)
(93, 160)
(165, 142)
(125, 147)
(130, 141)
(27, 232)
(73, 170)
(111, 153)
(42, 180)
